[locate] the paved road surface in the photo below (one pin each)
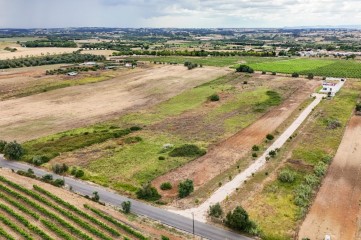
(140, 208)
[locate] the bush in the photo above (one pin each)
(238, 219)
(147, 192)
(166, 186)
(272, 153)
(58, 182)
(270, 137)
(358, 107)
(135, 128)
(263, 72)
(254, 155)
(60, 168)
(274, 73)
(245, 82)
(185, 188)
(312, 180)
(37, 160)
(95, 197)
(165, 238)
(135, 139)
(287, 176)
(244, 68)
(255, 148)
(320, 169)
(126, 205)
(215, 210)
(47, 177)
(187, 150)
(13, 150)
(214, 97)
(161, 158)
(2, 145)
(310, 76)
(302, 195)
(78, 173)
(295, 75)
(333, 123)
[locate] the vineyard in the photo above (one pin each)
(319, 67)
(39, 214)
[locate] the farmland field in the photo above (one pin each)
(30, 209)
(277, 206)
(319, 67)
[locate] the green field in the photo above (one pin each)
(319, 67)
(210, 61)
(38, 214)
(280, 206)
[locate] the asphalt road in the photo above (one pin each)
(140, 208)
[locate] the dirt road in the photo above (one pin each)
(336, 209)
(62, 109)
(225, 154)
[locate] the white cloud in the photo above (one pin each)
(178, 13)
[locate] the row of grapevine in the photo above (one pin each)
(17, 229)
(42, 210)
(19, 206)
(76, 210)
(117, 223)
(25, 222)
(4, 234)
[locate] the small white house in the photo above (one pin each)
(89, 64)
(331, 86)
(72, 73)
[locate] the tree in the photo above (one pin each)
(238, 219)
(2, 145)
(147, 192)
(295, 75)
(185, 188)
(270, 137)
(95, 197)
(13, 150)
(126, 205)
(244, 68)
(215, 210)
(255, 148)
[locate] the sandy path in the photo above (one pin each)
(221, 194)
(223, 155)
(72, 107)
(336, 209)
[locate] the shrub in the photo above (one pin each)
(126, 205)
(287, 176)
(333, 123)
(358, 107)
(135, 139)
(255, 148)
(37, 160)
(270, 137)
(147, 192)
(135, 128)
(165, 238)
(95, 197)
(244, 68)
(238, 219)
(13, 150)
(320, 169)
(166, 186)
(215, 210)
(214, 97)
(78, 173)
(60, 168)
(295, 75)
(185, 188)
(187, 150)
(2, 145)
(302, 194)
(312, 180)
(161, 158)
(263, 72)
(310, 76)
(254, 155)
(272, 153)
(274, 73)
(58, 182)
(245, 82)
(47, 177)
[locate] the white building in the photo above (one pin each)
(331, 86)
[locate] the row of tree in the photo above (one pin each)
(74, 57)
(196, 53)
(48, 43)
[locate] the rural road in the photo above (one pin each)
(140, 208)
(227, 189)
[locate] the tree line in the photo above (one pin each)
(74, 57)
(196, 53)
(50, 43)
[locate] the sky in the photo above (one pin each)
(178, 13)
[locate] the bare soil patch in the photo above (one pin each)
(223, 155)
(63, 109)
(336, 209)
